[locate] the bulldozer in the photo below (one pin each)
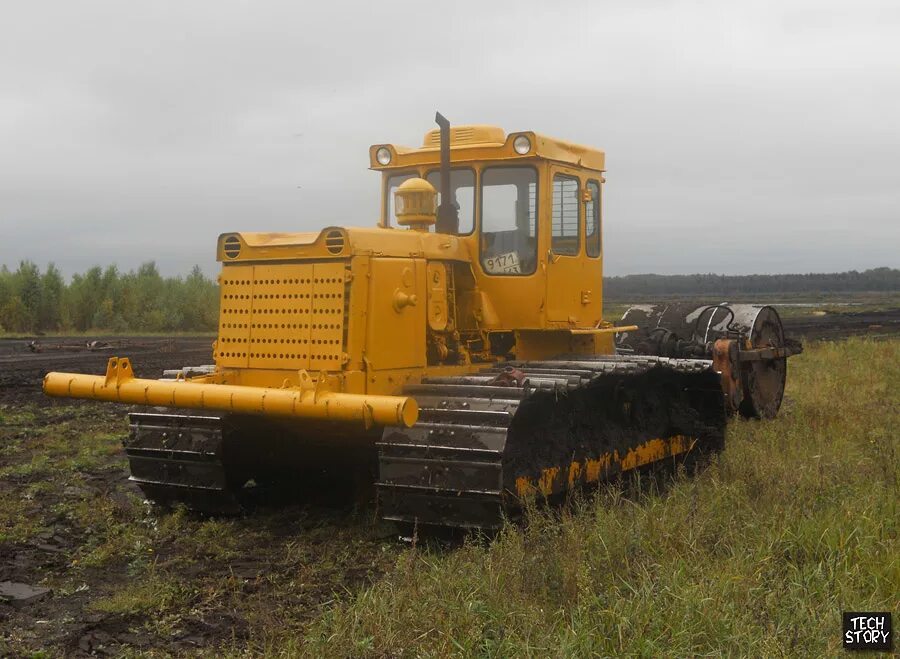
(457, 349)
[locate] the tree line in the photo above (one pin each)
(100, 299)
(144, 301)
(635, 286)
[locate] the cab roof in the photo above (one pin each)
(482, 142)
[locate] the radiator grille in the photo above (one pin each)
(282, 316)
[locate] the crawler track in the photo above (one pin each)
(482, 444)
(178, 457)
(480, 447)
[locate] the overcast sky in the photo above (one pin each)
(740, 136)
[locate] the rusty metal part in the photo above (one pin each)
(120, 385)
(509, 377)
(725, 361)
(480, 447)
(688, 330)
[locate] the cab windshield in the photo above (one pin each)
(462, 188)
(509, 197)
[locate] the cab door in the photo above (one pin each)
(565, 257)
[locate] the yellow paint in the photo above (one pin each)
(594, 469)
(479, 142)
(438, 310)
(574, 473)
(416, 204)
(545, 483)
(524, 487)
(395, 336)
(604, 465)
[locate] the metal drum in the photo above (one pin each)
(687, 330)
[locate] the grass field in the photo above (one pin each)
(757, 554)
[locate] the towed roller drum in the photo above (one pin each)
(686, 330)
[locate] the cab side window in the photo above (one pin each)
(565, 227)
(393, 183)
(592, 220)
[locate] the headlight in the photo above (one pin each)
(522, 145)
(383, 155)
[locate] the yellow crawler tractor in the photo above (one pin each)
(459, 348)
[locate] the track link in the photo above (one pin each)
(480, 446)
(178, 457)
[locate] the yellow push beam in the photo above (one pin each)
(119, 385)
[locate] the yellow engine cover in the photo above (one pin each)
(285, 316)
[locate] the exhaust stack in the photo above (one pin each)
(447, 215)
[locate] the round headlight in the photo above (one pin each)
(522, 145)
(383, 155)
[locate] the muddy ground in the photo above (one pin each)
(832, 326)
(122, 578)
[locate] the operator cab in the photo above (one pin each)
(527, 206)
(517, 177)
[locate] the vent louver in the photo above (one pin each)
(232, 247)
(334, 242)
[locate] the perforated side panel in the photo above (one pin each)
(235, 297)
(286, 316)
(327, 331)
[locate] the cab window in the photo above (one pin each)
(509, 220)
(592, 239)
(565, 227)
(393, 183)
(462, 188)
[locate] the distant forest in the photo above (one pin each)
(635, 286)
(142, 300)
(106, 300)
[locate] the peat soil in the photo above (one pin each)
(24, 362)
(835, 326)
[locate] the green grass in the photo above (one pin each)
(757, 555)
